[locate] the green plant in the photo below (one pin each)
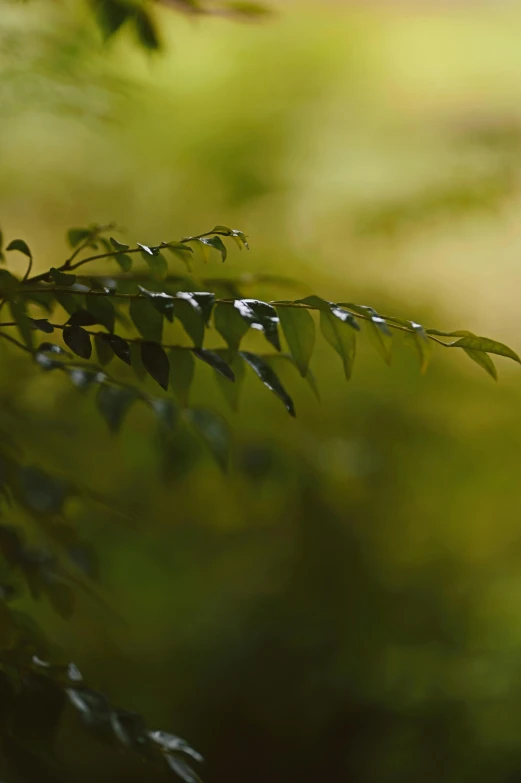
(124, 316)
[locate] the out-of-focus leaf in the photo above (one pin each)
(82, 318)
(84, 378)
(69, 302)
(178, 765)
(147, 320)
(182, 368)
(166, 412)
(299, 330)
(214, 431)
(23, 322)
(191, 316)
(238, 236)
(42, 325)
(117, 245)
(158, 265)
(93, 709)
(111, 15)
(42, 493)
(214, 360)
(156, 363)
(169, 742)
(262, 316)
(230, 324)
(217, 244)
(150, 251)
(130, 729)
(146, 29)
(269, 379)
(77, 235)
(117, 344)
(164, 303)
(231, 391)
(484, 361)
(21, 246)
(78, 340)
(103, 311)
(341, 336)
(62, 598)
(124, 261)
(9, 285)
(113, 402)
(61, 278)
(103, 349)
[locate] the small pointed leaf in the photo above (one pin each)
(214, 360)
(191, 316)
(77, 235)
(484, 344)
(299, 330)
(117, 245)
(269, 378)
(341, 336)
(78, 340)
(147, 320)
(230, 324)
(42, 325)
(214, 431)
(62, 279)
(483, 360)
(182, 368)
(21, 246)
(113, 402)
(155, 362)
(118, 345)
(164, 303)
(217, 244)
(262, 316)
(103, 311)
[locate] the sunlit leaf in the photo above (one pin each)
(378, 330)
(155, 362)
(269, 378)
(262, 316)
(214, 431)
(78, 340)
(164, 303)
(230, 324)
(217, 244)
(341, 336)
(299, 330)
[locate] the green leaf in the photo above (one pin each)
(21, 246)
(484, 361)
(118, 345)
(78, 340)
(164, 303)
(77, 235)
(9, 285)
(147, 320)
(42, 325)
(136, 363)
(124, 261)
(62, 279)
(230, 324)
(155, 362)
(484, 344)
(70, 302)
(191, 316)
(111, 15)
(182, 368)
(238, 236)
(84, 379)
(340, 336)
(148, 250)
(103, 311)
(158, 265)
(269, 378)
(231, 391)
(82, 318)
(113, 403)
(200, 300)
(299, 330)
(146, 29)
(173, 744)
(378, 330)
(423, 345)
(23, 322)
(117, 245)
(214, 432)
(40, 492)
(103, 349)
(214, 360)
(165, 411)
(262, 316)
(217, 244)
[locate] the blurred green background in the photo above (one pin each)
(346, 604)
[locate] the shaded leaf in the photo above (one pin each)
(214, 431)
(155, 362)
(111, 15)
(262, 316)
(83, 378)
(231, 391)
(423, 345)
(82, 318)
(230, 324)
(129, 728)
(113, 402)
(118, 345)
(484, 361)
(124, 261)
(178, 765)
(269, 378)
(214, 360)
(69, 302)
(146, 29)
(103, 311)
(165, 411)
(182, 368)
(147, 320)
(190, 314)
(103, 349)
(78, 340)
(158, 265)
(299, 330)
(61, 278)
(117, 245)
(21, 246)
(42, 325)
(137, 365)
(23, 322)
(169, 742)
(484, 344)
(9, 285)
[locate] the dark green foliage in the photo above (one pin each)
(155, 362)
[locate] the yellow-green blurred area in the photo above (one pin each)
(346, 603)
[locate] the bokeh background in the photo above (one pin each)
(347, 603)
